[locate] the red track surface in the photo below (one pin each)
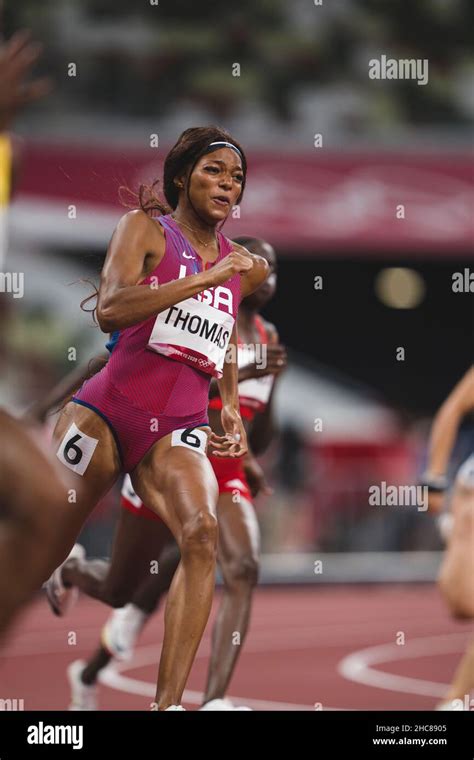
(297, 639)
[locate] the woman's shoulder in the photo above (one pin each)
(138, 221)
(238, 248)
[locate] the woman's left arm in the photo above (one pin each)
(252, 279)
(234, 442)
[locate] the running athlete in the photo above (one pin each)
(173, 299)
(26, 473)
(261, 360)
(456, 575)
(28, 476)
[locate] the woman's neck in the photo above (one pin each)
(188, 216)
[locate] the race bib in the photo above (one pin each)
(76, 449)
(194, 333)
(191, 438)
(256, 391)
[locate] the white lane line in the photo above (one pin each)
(357, 666)
(113, 677)
(287, 638)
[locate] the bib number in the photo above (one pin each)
(191, 438)
(76, 449)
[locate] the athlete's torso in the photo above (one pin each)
(155, 381)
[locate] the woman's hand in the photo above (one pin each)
(275, 361)
(234, 442)
(17, 58)
(233, 263)
(256, 477)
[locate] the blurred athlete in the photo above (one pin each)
(26, 473)
(17, 58)
(456, 575)
(172, 297)
(28, 477)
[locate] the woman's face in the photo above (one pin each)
(216, 184)
(266, 291)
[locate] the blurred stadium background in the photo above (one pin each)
(330, 211)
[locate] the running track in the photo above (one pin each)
(336, 646)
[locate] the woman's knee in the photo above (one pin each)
(199, 534)
(242, 571)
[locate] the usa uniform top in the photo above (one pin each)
(157, 378)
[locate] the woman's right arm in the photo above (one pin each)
(446, 423)
(65, 388)
(137, 241)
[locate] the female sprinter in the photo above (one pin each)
(140, 537)
(146, 411)
(456, 576)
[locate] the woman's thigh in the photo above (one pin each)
(177, 483)
(85, 448)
